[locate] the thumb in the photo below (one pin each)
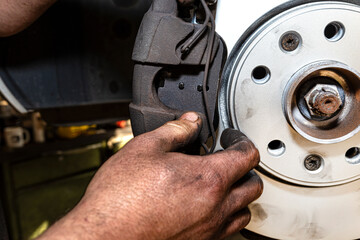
(176, 134)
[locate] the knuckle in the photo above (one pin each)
(246, 150)
(233, 155)
(230, 157)
(259, 186)
(244, 145)
(252, 155)
(234, 158)
(255, 156)
(256, 186)
(216, 182)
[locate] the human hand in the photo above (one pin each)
(15, 16)
(149, 191)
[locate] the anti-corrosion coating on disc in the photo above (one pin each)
(265, 69)
(292, 86)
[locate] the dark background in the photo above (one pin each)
(74, 63)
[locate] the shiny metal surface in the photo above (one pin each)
(257, 109)
(305, 197)
(4, 90)
(326, 129)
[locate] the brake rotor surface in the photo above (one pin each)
(265, 96)
(293, 87)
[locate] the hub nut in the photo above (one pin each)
(323, 101)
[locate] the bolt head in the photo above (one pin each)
(323, 101)
(290, 41)
(313, 162)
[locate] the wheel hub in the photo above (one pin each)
(298, 84)
(293, 86)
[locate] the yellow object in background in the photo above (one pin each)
(41, 229)
(75, 131)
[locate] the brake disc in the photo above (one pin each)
(292, 85)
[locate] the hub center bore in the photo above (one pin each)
(320, 102)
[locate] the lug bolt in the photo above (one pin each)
(313, 162)
(290, 41)
(323, 100)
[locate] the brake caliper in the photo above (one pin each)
(171, 56)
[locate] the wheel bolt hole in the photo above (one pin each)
(352, 155)
(276, 148)
(334, 31)
(260, 75)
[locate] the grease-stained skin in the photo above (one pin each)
(149, 191)
(16, 15)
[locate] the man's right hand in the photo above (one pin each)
(149, 191)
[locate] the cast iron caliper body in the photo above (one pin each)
(166, 82)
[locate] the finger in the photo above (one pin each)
(236, 223)
(235, 161)
(175, 134)
(245, 191)
(230, 137)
